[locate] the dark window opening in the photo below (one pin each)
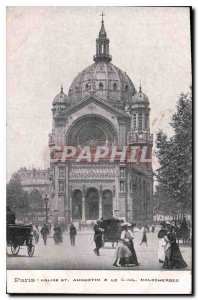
(101, 86)
(115, 86)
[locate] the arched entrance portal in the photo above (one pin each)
(77, 205)
(92, 204)
(107, 204)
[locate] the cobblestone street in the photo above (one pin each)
(65, 256)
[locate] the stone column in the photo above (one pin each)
(100, 201)
(70, 202)
(137, 123)
(115, 205)
(83, 203)
(116, 192)
(143, 121)
(128, 201)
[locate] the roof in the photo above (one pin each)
(140, 97)
(61, 98)
(93, 98)
(106, 80)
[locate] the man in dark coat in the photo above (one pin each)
(44, 231)
(98, 237)
(72, 233)
(58, 238)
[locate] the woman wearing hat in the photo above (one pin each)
(125, 252)
(162, 243)
(173, 257)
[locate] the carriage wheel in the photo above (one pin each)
(15, 249)
(31, 247)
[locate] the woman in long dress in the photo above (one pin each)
(162, 243)
(173, 256)
(125, 252)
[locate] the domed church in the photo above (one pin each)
(103, 115)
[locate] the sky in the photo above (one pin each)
(49, 46)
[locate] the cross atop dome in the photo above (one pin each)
(102, 15)
(102, 45)
(140, 87)
(102, 30)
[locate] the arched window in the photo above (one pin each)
(101, 86)
(126, 87)
(134, 120)
(146, 121)
(76, 89)
(115, 86)
(140, 121)
(88, 86)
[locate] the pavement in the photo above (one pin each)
(82, 257)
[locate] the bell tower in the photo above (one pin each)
(102, 45)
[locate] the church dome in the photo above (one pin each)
(102, 78)
(61, 98)
(140, 98)
(105, 80)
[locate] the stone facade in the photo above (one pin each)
(102, 108)
(34, 179)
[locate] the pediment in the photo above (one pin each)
(90, 103)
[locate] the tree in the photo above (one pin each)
(36, 200)
(17, 198)
(182, 124)
(174, 176)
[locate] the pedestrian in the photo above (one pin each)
(162, 243)
(173, 256)
(144, 237)
(152, 228)
(125, 252)
(44, 231)
(184, 230)
(35, 233)
(98, 237)
(58, 238)
(72, 233)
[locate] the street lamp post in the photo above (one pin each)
(46, 200)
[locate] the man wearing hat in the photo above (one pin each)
(98, 237)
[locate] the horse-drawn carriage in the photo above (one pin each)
(18, 236)
(112, 230)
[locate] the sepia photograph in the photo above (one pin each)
(99, 150)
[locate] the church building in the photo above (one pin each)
(101, 109)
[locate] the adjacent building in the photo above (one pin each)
(35, 179)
